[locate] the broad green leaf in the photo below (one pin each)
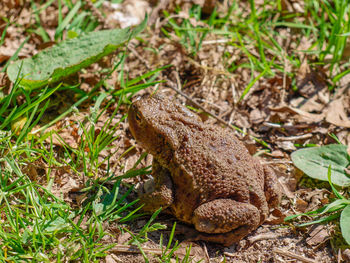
(69, 56)
(345, 224)
(315, 161)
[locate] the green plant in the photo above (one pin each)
(38, 226)
(190, 36)
(315, 161)
(340, 207)
(69, 56)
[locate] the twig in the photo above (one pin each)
(217, 71)
(277, 162)
(262, 237)
(294, 138)
(217, 41)
(206, 252)
(144, 61)
(135, 250)
(198, 105)
(293, 255)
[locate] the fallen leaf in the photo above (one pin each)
(110, 259)
(124, 237)
(346, 255)
(3, 58)
(318, 236)
(304, 116)
(301, 205)
(286, 145)
(335, 113)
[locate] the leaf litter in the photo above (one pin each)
(271, 110)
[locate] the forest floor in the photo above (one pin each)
(275, 73)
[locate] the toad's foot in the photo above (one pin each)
(225, 220)
(162, 195)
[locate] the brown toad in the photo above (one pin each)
(203, 174)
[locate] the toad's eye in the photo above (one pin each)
(138, 116)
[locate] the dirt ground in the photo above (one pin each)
(271, 111)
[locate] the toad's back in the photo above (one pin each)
(212, 163)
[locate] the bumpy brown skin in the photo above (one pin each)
(203, 174)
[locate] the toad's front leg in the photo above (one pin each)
(272, 188)
(162, 195)
(225, 221)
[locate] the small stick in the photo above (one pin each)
(217, 71)
(217, 41)
(135, 250)
(206, 252)
(144, 61)
(294, 138)
(264, 236)
(200, 106)
(293, 255)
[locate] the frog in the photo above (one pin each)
(203, 174)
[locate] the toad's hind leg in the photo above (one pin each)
(162, 195)
(225, 220)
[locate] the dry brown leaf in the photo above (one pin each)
(318, 235)
(288, 186)
(303, 115)
(313, 197)
(112, 259)
(335, 113)
(257, 116)
(208, 6)
(286, 145)
(301, 205)
(276, 154)
(4, 80)
(66, 136)
(68, 184)
(307, 105)
(124, 237)
(3, 58)
(346, 255)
